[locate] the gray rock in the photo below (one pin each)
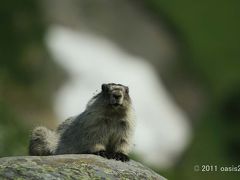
(72, 167)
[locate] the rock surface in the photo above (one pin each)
(72, 167)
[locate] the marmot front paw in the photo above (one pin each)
(101, 153)
(118, 156)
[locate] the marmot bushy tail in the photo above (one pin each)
(105, 128)
(43, 142)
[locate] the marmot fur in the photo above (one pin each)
(105, 128)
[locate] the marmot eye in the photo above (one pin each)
(104, 87)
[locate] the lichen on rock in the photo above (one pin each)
(72, 167)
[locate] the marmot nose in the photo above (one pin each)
(117, 96)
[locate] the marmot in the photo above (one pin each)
(105, 128)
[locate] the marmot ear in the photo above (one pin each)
(127, 89)
(104, 87)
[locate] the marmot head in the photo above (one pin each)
(116, 95)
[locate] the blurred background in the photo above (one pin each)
(180, 59)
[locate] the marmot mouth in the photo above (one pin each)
(116, 104)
